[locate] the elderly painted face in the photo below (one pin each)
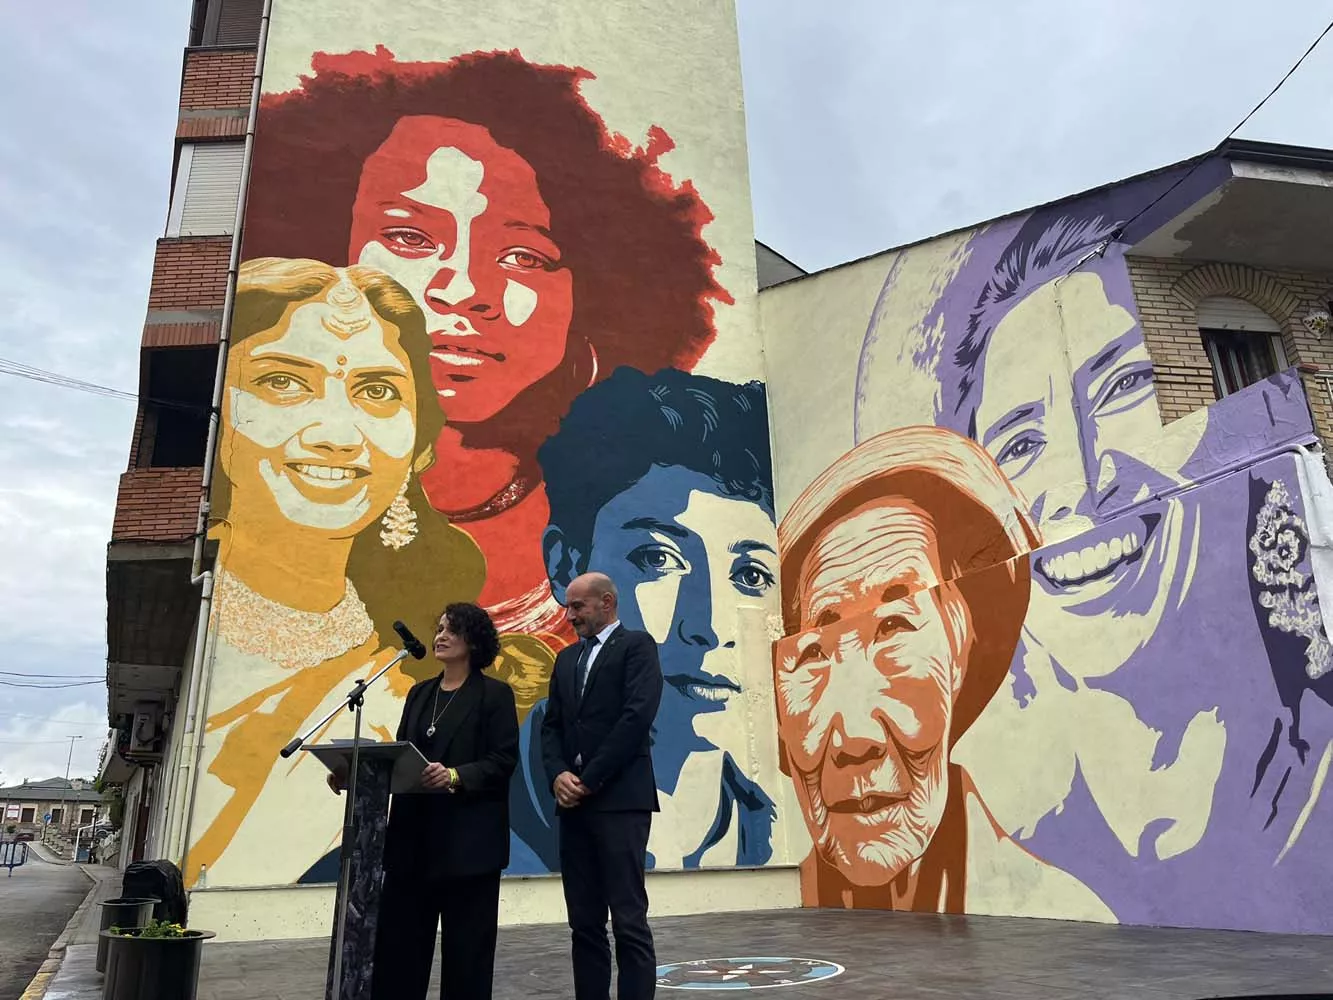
(319, 418)
(684, 555)
(1081, 450)
(459, 221)
(865, 690)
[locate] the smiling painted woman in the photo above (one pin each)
(319, 454)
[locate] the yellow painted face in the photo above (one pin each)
(319, 423)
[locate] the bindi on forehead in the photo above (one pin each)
(307, 337)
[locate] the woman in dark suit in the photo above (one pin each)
(446, 846)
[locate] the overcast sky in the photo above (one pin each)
(872, 123)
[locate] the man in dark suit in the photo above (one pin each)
(595, 745)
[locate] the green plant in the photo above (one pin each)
(154, 929)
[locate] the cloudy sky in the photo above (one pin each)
(872, 123)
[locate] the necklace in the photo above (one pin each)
(293, 639)
(436, 713)
(498, 504)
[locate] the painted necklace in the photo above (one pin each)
(436, 713)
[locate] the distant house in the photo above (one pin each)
(69, 804)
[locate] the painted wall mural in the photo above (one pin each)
(1044, 656)
(476, 255)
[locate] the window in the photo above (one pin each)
(208, 185)
(230, 22)
(1243, 343)
(179, 385)
(85, 817)
(56, 815)
(29, 814)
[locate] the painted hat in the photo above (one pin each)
(982, 527)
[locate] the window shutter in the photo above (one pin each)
(238, 22)
(1222, 312)
(212, 189)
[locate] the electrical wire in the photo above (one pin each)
(48, 718)
(1120, 230)
(51, 687)
(19, 370)
(52, 676)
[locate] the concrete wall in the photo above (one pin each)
(1043, 655)
(551, 259)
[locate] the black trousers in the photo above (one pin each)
(411, 909)
(602, 856)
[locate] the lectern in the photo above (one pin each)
(372, 771)
(381, 769)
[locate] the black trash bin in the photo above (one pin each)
(123, 912)
(140, 968)
(162, 880)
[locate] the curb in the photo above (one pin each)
(48, 855)
(37, 988)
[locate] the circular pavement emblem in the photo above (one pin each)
(744, 973)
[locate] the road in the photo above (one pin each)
(35, 905)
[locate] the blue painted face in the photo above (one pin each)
(685, 556)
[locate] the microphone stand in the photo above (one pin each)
(354, 702)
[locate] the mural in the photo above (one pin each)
(1042, 655)
(324, 433)
(456, 275)
(542, 251)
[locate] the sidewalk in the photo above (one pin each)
(65, 975)
(833, 955)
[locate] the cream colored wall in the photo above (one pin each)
(812, 337)
(279, 912)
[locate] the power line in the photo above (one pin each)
(59, 676)
(1120, 230)
(51, 687)
(47, 718)
(20, 370)
(35, 742)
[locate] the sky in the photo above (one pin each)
(871, 124)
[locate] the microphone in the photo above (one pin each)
(410, 642)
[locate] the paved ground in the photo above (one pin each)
(34, 906)
(886, 957)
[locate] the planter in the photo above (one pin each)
(140, 968)
(124, 912)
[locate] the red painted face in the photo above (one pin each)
(459, 222)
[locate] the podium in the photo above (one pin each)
(381, 769)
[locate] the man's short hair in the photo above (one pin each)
(618, 429)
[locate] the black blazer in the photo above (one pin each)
(609, 728)
(439, 834)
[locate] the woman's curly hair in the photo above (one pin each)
(474, 626)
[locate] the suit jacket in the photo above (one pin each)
(610, 726)
(441, 834)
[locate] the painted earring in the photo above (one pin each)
(400, 521)
(592, 351)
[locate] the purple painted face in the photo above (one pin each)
(1083, 448)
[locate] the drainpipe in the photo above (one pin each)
(192, 739)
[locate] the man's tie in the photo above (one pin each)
(584, 656)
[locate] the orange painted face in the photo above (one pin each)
(865, 690)
(460, 222)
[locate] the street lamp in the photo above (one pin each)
(64, 807)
